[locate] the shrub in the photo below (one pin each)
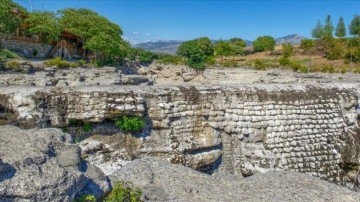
(146, 57)
(130, 123)
(334, 50)
(86, 198)
(81, 62)
(259, 64)
(87, 127)
(230, 63)
(6, 54)
(169, 59)
(307, 44)
(284, 61)
(262, 64)
(13, 65)
(35, 52)
(295, 65)
(58, 62)
(287, 50)
(122, 192)
(353, 55)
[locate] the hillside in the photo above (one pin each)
(162, 46)
(171, 46)
(294, 39)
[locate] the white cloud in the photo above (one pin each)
(135, 33)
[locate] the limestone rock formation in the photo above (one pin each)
(162, 181)
(42, 165)
(234, 129)
(161, 72)
(52, 76)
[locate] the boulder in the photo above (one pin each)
(42, 165)
(162, 181)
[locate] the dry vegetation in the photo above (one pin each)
(310, 61)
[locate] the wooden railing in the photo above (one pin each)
(34, 39)
(57, 47)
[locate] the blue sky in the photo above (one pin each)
(153, 20)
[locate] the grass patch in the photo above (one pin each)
(57, 62)
(13, 65)
(230, 63)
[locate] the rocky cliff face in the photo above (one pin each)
(235, 129)
(42, 165)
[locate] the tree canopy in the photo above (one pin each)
(318, 31)
(98, 33)
(10, 16)
(340, 28)
(198, 52)
(264, 43)
(237, 46)
(45, 24)
(223, 48)
(328, 27)
(354, 27)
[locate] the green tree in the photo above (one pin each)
(340, 28)
(10, 16)
(198, 52)
(237, 46)
(98, 33)
(318, 31)
(44, 24)
(354, 27)
(264, 43)
(328, 27)
(222, 48)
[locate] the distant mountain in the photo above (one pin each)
(169, 47)
(248, 42)
(294, 39)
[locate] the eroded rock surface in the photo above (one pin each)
(42, 165)
(162, 181)
(234, 129)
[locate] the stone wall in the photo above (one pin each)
(234, 129)
(26, 49)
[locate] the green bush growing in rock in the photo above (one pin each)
(87, 127)
(86, 198)
(123, 193)
(130, 123)
(57, 62)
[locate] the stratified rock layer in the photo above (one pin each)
(162, 181)
(235, 129)
(41, 165)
